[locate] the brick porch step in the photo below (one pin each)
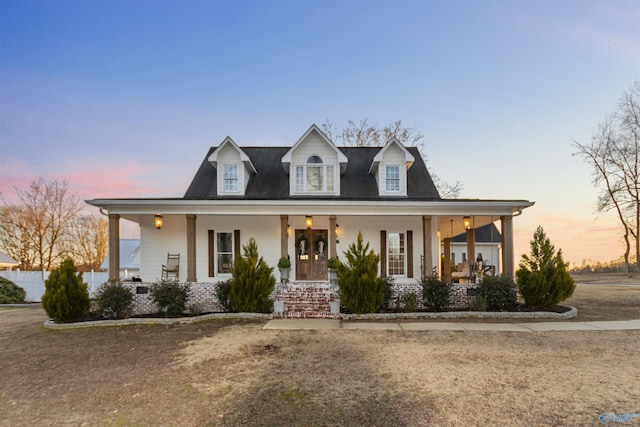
(306, 300)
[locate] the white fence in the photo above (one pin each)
(33, 281)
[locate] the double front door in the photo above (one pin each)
(312, 248)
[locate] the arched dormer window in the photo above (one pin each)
(314, 176)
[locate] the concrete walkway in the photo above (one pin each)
(614, 325)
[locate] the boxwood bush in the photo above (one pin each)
(170, 296)
(114, 300)
(436, 294)
(10, 293)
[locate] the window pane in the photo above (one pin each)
(329, 178)
(314, 159)
(393, 178)
(225, 242)
(225, 263)
(230, 178)
(314, 178)
(224, 249)
(299, 178)
(396, 255)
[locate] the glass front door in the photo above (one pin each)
(311, 254)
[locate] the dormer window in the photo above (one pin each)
(392, 178)
(314, 176)
(230, 178)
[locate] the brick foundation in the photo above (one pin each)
(305, 300)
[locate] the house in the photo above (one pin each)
(307, 201)
(487, 245)
(7, 262)
(129, 259)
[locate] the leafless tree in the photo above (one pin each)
(364, 134)
(88, 241)
(614, 153)
(39, 223)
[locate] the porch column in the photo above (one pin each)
(471, 245)
(506, 223)
(284, 236)
(332, 236)
(427, 246)
(191, 248)
(446, 274)
(114, 247)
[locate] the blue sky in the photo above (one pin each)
(123, 98)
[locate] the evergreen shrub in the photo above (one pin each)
(222, 292)
(66, 297)
(436, 294)
(499, 292)
(170, 297)
(543, 276)
(252, 283)
(360, 288)
(115, 300)
(407, 303)
(10, 293)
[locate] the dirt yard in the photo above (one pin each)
(228, 373)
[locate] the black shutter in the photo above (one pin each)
(212, 253)
(410, 254)
(383, 253)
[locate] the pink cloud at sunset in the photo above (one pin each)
(130, 179)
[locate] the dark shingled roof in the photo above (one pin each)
(483, 235)
(272, 183)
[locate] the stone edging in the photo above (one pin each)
(573, 312)
(50, 324)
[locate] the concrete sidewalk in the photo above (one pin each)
(317, 324)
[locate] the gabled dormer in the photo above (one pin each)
(234, 168)
(314, 165)
(390, 167)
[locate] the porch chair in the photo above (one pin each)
(172, 268)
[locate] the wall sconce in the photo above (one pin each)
(158, 221)
(337, 230)
(467, 222)
(308, 221)
(288, 230)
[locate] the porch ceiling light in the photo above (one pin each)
(158, 221)
(308, 221)
(467, 222)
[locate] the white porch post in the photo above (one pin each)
(191, 248)
(114, 247)
(506, 223)
(427, 246)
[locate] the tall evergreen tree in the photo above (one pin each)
(65, 297)
(361, 290)
(543, 277)
(252, 282)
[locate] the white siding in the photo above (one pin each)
(266, 230)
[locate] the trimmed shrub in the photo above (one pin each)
(115, 300)
(66, 297)
(407, 303)
(252, 283)
(543, 277)
(499, 292)
(387, 293)
(478, 303)
(170, 296)
(436, 294)
(10, 293)
(222, 292)
(360, 288)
